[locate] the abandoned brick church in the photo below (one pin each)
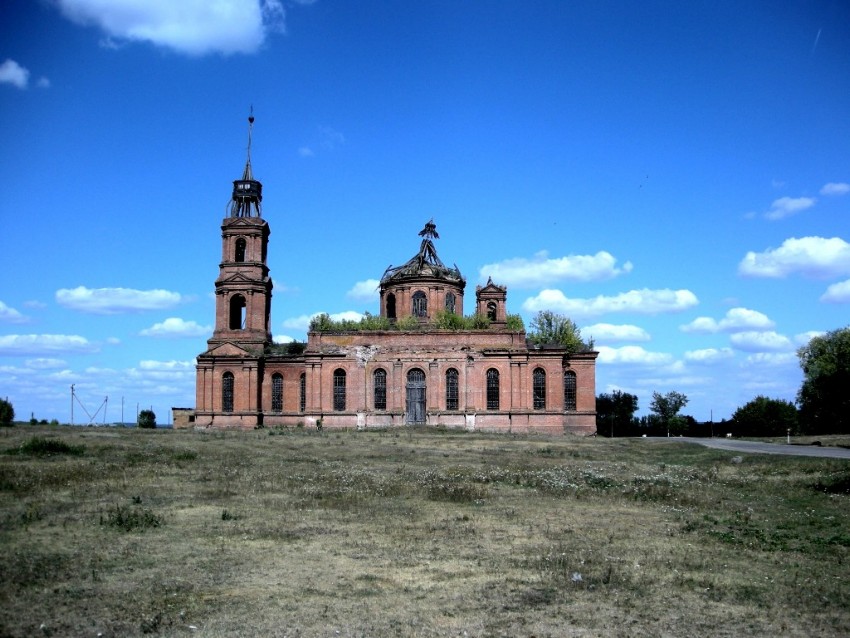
(407, 372)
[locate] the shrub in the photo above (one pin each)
(40, 446)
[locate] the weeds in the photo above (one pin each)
(42, 446)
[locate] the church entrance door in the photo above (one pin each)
(415, 414)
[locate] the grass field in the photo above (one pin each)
(119, 532)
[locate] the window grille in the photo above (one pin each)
(492, 389)
(277, 393)
(302, 401)
(227, 392)
(380, 379)
(451, 389)
(420, 304)
(450, 302)
(570, 391)
(339, 390)
(539, 389)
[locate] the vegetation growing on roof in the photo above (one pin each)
(442, 320)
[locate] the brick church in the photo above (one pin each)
(407, 372)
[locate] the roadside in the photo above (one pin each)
(758, 447)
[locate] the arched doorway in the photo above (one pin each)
(415, 413)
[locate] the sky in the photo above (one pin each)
(673, 176)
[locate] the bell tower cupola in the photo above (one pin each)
(247, 192)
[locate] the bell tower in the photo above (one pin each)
(243, 290)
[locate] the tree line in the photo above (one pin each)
(822, 406)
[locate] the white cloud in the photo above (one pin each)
(170, 366)
(13, 73)
(34, 345)
(10, 315)
(835, 188)
(837, 293)
(787, 206)
(112, 301)
(772, 360)
(644, 301)
(632, 355)
(282, 339)
(764, 341)
(176, 327)
(194, 27)
(804, 337)
(709, 355)
(812, 256)
(364, 290)
(540, 270)
(609, 332)
(736, 320)
(306, 151)
(45, 363)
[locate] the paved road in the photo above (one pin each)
(754, 447)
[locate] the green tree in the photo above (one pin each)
(823, 397)
(614, 412)
(147, 419)
(7, 412)
(549, 327)
(667, 407)
(765, 417)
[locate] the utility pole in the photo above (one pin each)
(72, 404)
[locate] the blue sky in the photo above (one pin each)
(674, 176)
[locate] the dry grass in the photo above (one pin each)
(295, 533)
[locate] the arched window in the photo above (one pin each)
(240, 249)
(539, 388)
(237, 312)
(339, 390)
(227, 392)
(302, 400)
(451, 389)
(569, 391)
(277, 392)
(420, 304)
(450, 302)
(391, 306)
(491, 311)
(380, 391)
(492, 389)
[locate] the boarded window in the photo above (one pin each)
(339, 390)
(539, 388)
(451, 389)
(492, 389)
(380, 380)
(227, 392)
(277, 392)
(569, 391)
